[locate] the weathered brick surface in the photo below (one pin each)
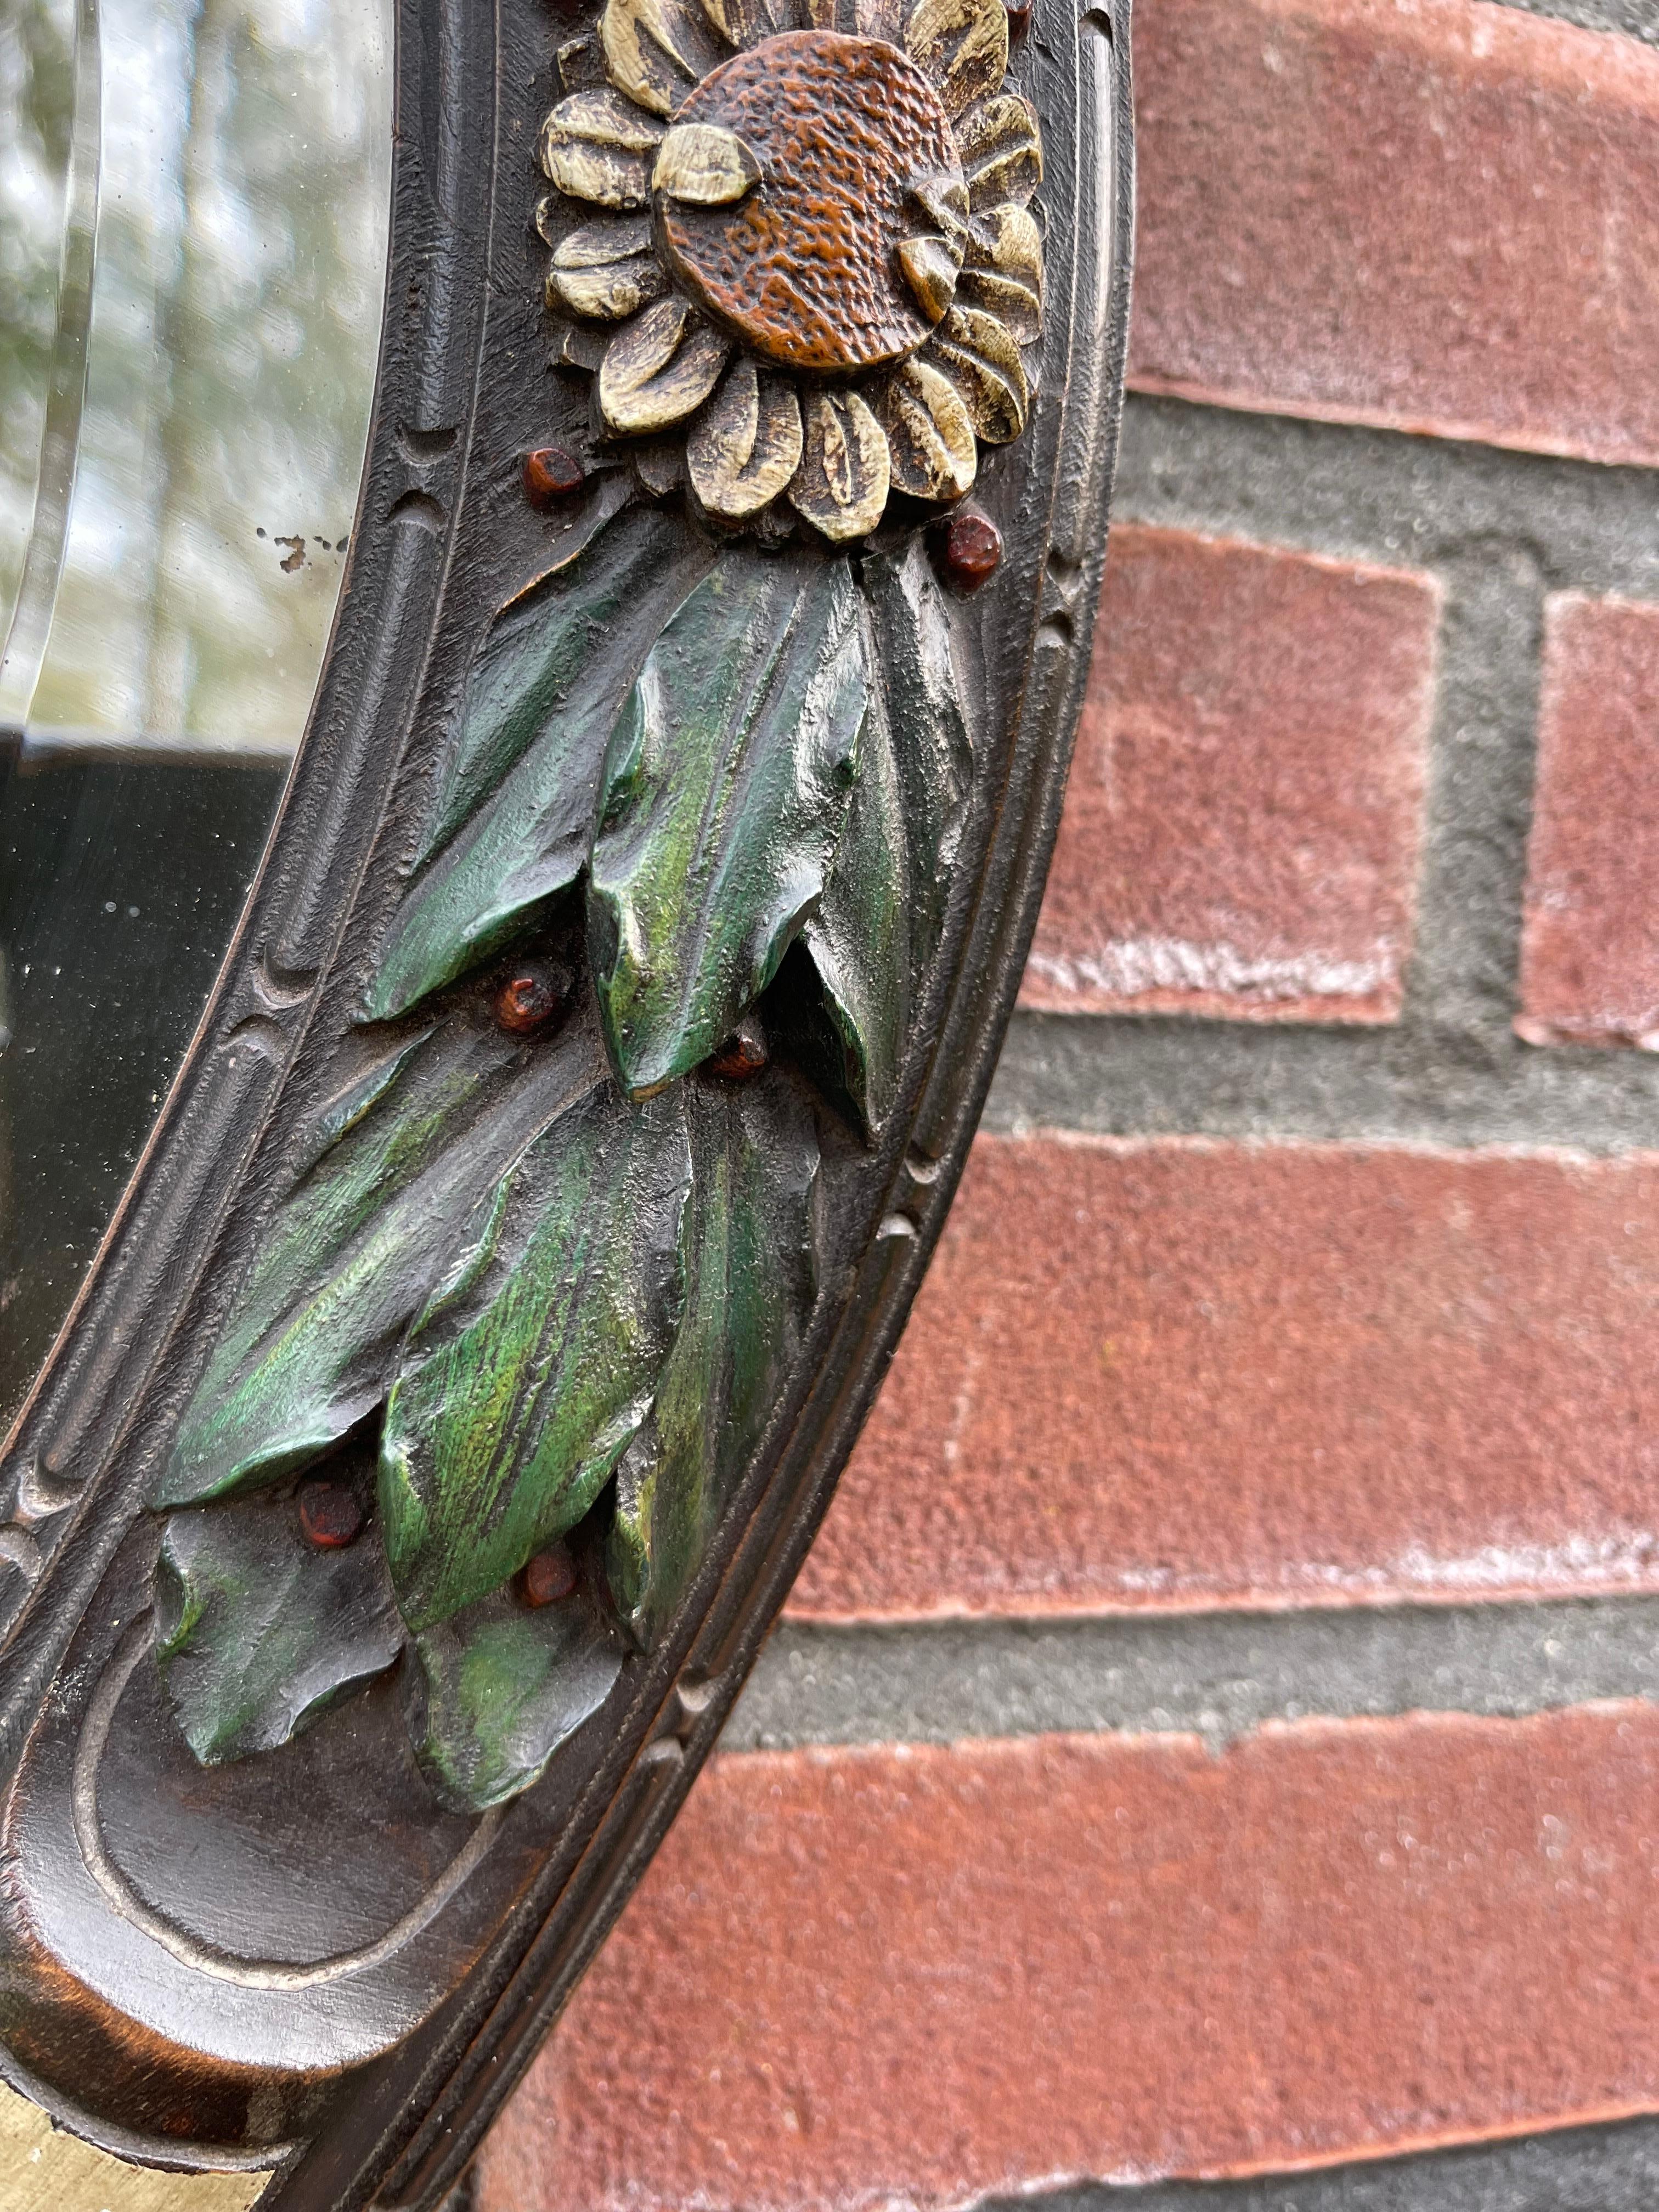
(1434, 214)
(1188, 1373)
(1590, 970)
(1242, 823)
(914, 1977)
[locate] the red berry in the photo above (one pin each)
(972, 549)
(741, 1055)
(550, 1576)
(552, 473)
(329, 1514)
(529, 1000)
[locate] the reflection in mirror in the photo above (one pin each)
(194, 197)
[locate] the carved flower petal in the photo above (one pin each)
(982, 361)
(1007, 240)
(930, 269)
(583, 281)
(607, 294)
(1004, 272)
(1001, 153)
(599, 173)
(704, 166)
(601, 116)
(574, 346)
(880, 19)
(943, 201)
(658, 368)
(841, 486)
(746, 444)
(1018, 311)
(930, 434)
(581, 62)
(744, 23)
(962, 45)
(591, 245)
(596, 146)
(657, 50)
(659, 467)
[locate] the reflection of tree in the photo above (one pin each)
(241, 255)
(184, 344)
(36, 89)
(244, 191)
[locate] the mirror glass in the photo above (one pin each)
(194, 201)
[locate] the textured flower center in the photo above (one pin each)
(845, 254)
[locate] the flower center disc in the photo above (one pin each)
(806, 268)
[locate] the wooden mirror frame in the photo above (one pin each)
(444, 541)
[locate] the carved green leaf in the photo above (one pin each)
(354, 1251)
(359, 1097)
(258, 1633)
(859, 936)
(879, 919)
(725, 789)
(499, 1688)
(526, 1378)
(547, 1279)
(927, 726)
(755, 1154)
(516, 800)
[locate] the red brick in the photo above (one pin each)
(1242, 823)
(1589, 963)
(1433, 215)
(915, 1977)
(1187, 1374)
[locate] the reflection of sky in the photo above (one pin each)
(243, 196)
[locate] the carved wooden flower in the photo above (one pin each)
(815, 240)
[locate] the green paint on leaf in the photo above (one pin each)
(725, 789)
(524, 1380)
(258, 1633)
(547, 1279)
(501, 1687)
(518, 792)
(859, 936)
(932, 751)
(755, 1168)
(356, 1249)
(360, 1097)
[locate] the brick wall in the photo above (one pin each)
(1216, 1733)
